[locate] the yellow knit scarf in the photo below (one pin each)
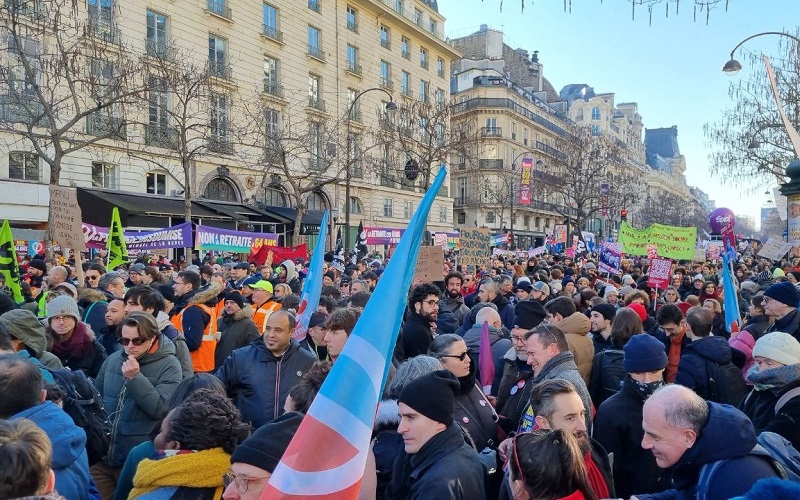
(203, 469)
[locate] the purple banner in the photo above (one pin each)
(226, 240)
(179, 236)
(610, 260)
(383, 235)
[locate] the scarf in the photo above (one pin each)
(203, 469)
(596, 478)
(76, 346)
(673, 357)
(774, 378)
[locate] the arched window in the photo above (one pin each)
(220, 189)
(355, 206)
(316, 201)
(275, 197)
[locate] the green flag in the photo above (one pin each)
(9, 267)
(115, 243)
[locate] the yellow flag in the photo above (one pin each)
(117, 252)
(9, 267)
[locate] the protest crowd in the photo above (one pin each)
(538, 377)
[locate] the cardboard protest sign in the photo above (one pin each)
(699, 255)
(429, 264)
(660, 273)
(475, 244)
(774, 249)
(65, 218)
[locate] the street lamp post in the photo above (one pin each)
(513, 243)
(390, 106)
(733, 66)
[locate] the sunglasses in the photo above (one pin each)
(137, 341)
(460, 357)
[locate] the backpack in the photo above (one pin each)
(82, 402)
(726, 384)
(770, 446)
(608, 374)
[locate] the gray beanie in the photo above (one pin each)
(778, 346)
(63, 306)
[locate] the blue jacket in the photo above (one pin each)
(727, 435)
(70, 462)
(695, 362)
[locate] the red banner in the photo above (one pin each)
(659, 273)
(279, 254)
(526, 174)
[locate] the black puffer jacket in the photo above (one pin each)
(417, 335)
(788, 324)
(697, 361)
(759, 406)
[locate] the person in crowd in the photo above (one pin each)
(418, 328)
(359, 300)
(239, 273)
(28, 302)
(780, 304)
(135, 273)
(236, 327)
(302, 394)
(107, 336)
(754, 328)
(601, 318)
(498, 340)
(281, 290)
(264, 303)
(611, 295)
(92, 275)
(151, 276)
(258, 376)
(135, 384)
(452, 301)
(37, 269)
(253, 462)
(607, 367)
(685, 432)
(29, 337)
(718, 324)
(112, 285)
(28, 453)
(674, 338)
(74, 342)
(195, 445)
(774, 402)
(195, 317)
(436, 462)
(618, 422)
(315, 339)
(563, 313)
(522, 291)
(338, 327)
(489, 291)
(22, 396)
(288, 274)
(290, 303)
(55, 276)
(705, 365)
(546, 464)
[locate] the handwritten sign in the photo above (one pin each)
(673, 242)
(699, 255)
(774, 249)
(475, 243)
(660, 273)
(429, 264)
(65, 218)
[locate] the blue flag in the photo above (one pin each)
(732, 316)
(312, 288)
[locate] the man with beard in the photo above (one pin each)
(453, 301)
(418, 328)
(489, 291)
(36, 270)
(600, 319)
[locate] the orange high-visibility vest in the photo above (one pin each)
(203, 357)
(263, 312)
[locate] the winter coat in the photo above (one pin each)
(454, 305)
(608, 373)
(177, 338)
(107, 336)
(252, 374)
(514, 388)
(618, 427)
(90, 362)
(727, 435)
(93, 304)
(788, 324)
(446, 323)
(417, 335)
(474, 413)
(235, 330)
(70, 461)
(697, 361)
(195, 319)
(505, 309)
(25, 327)
(576, 327)
(444, 468)
(746, 339)
(136, 406)
(600, 344)
(292, 278)
(759, 406)
(500, 345)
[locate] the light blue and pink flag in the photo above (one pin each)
(485, 359)
(327, 456)
(730, 299)
(312, 288)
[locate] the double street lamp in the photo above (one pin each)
(390, 107)
(513, 242)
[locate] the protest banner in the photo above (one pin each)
(526, 173)
(279, 254)
(452, 238)
(538, 251)
(475, 245)
(429, 264)
(660, 273)
(383, 235)
(440, 240)
(673, 242)
(65, 218)
(699, 255)
(226, 240)
(500, 239)
(560, 233)
(615, 245)
(774, 249)
(714, 251)
(610, 260)
(179, 236)
(589, 240)
(652, 251)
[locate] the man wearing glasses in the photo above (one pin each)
(780, 302)
(417, 331)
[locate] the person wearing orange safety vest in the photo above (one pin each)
(193, 316)
(263, 305)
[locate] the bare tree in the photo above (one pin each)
(751, 145)
(701, 8)
(673, 210)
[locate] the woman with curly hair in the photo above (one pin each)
(194, 450)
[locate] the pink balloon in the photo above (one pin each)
(720, 218)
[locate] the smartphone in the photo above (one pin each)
(124, 355)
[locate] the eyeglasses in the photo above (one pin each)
(137, 341)
(242, 481)
(517, 338)
(92, 278)
(432, 303)
(460, 357)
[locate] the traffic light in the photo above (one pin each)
(623, 215)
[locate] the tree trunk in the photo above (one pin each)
(187, 202)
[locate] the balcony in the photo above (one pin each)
(411, 16)
(272, 33)
(21, 108)
(405, 53)
(218, 69)
(220, 144)
(384, 123)
(317, 164)
(406, 92)
(490, 164)
(352, 25)
(549, 150)
(464, 201)
(387, 180)
(272, 88)
(316, 103)
(101, 124)
(160, 50)
(220, 8)
(354, 68)
(491, 131)
(387, 83)
(28, 8)
(316, 52)
(105, 31)
(161, 136)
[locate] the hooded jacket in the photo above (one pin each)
(236, 330)
(292, 278)
(500, 345)
(505, 309)
(576, 327)
(258, 382)
(727, 435)
(25, 327)
(759, 406)
(94, 304)
(70, 461)
(696, 361)
(137, 406)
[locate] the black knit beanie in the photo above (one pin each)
(265, 447)
(432, 395)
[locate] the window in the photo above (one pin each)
(490, 217)
(443, 213)
(314, 49)
(439, 129)
(270, 20)
(440, 66)
(353, 105)
(314, 90)
(513, 134)
(423, 90)
(423, 128)
(314, 5)
(275, 197)
(221, 189)
(537, 222)
(423, 57)
(355, 206)
(316, 201)
(404, 47)
(217, 57)
(418, 17)
(408, 209)
(104, 175)
(438, 97)
(101, 12)
(461, 190)
(157, 41)
(23, 166)
(22, 81)
(595, 129)
(158, 103)
(387, 207)
(271, 85)
(352, 60)
(352, 19)
(220, 8)
(156, 183)
(219, 118)
(404, 77)
(398, 6)
(272, 123)
(462, 218)
(525, 137)
(315, 141)
(386, 74)
(433, 26)
(385, 38)
(595, 113)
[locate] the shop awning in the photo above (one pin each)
(236, 211)
(309, 224)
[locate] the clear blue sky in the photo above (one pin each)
(672, 69)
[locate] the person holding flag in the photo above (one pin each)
(312, 288)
